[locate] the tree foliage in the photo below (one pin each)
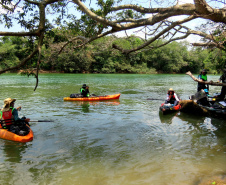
(99, 57)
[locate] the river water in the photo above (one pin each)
(126, 141)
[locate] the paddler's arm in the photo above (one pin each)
(16, 117)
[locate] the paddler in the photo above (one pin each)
(172, 97)
(84, 90)
(9, 116)
(223, 89)
(202, 77)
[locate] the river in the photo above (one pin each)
(126, 141)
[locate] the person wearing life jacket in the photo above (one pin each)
(203, 77)
(9, 115)
(84, 90)
(172, 97)
(223, 89)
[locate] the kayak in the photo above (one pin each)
(168, 108)
(5, 134)
(94, 98)
(217, 109)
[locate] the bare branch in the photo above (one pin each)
(155, 37)
(70, 41)
(22, 63)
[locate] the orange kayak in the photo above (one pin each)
(96, 98)
(5, 134)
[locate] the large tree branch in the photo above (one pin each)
(205, 82)
(20, 34)
(210, 45)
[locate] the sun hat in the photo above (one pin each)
(7, 103)
(170, 89)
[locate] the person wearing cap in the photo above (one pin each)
(172, 97)
(202, 77)
(84, 90)
(9, 114)
(223, 89)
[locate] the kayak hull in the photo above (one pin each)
(5, 134)
(166, 109)
(97, 98)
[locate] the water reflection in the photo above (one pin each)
(168, 117)
(106, 102)
(85, 105)
(13, 151)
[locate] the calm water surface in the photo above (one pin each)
(110, 142)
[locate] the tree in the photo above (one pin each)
(110, 17)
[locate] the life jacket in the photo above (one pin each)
(172, 99)
(84, 92)
(7, 117)
(204, 77)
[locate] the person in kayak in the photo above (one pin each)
(223, 89)
(172, 97)
(84, 90)
(203, 77)
(9, 116)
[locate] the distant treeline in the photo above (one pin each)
(100, 57)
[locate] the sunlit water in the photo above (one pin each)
(110, 142)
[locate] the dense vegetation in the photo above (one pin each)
(100, 57)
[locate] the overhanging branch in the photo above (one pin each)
(205, 82)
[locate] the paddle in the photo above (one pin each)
(41, 121)
(154, 99)
(19, 109)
